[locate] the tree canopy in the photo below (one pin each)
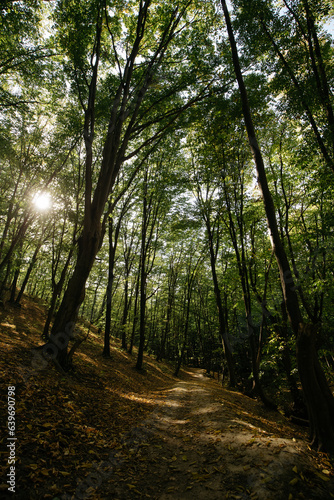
(188, 156)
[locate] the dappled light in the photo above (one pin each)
(207, 448)
(166, 249)
(216, 441)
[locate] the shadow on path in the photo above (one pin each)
(199, 444)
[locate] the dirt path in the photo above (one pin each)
(205, 444)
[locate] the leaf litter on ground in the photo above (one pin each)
(209, 442)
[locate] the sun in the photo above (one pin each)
(42, 201)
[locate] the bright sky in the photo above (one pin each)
(330, 27)
(42, 201)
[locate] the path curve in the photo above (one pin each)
(199, 445)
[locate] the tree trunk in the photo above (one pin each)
(319, 399)
(142, 318)
(221, 317)
(135, 317)
(17, 240)
(282, 331)
(257, 386)
(57, 288)
(179, 362)
(13, 286)
(125, 311)
(143, 278)
(186, 327)
(27, 276)
(63, 326)
(112, 253)
(170, 302)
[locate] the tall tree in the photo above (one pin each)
(154, 207)
(148, 34)
(319, 398)
(211, 216)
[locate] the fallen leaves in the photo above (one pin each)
(66, 424)
(70, 424)
(326, 471)
(322, 476)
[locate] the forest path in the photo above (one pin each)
(207, 443)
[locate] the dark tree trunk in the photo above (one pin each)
(143, 278)
(179, 362)
(185, 333)
(135, 316)
(57, 289)
(257, 386)
(112, 254)
(55, 294)
(319, 399)
(221, 316)
(170, 301)
(129, 256)
(17, 240)
(27, 276)
(125, 311)
(162, 347)
(63, 326)
(13, 287)
(188, 294)
(282, 330)
(4, 284)
(142, 317)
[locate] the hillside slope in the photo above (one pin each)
(190, 429)
(65, 422)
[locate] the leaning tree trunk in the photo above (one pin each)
(123, 118)
(63, 326)
(318, 396)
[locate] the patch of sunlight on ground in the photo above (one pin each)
(135, 397)
(173, 421)
(200, 390)
(205, 410)
(172, 403)
(86, 358)
(246, 424)
(8, 325)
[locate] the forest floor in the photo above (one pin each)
(105, 431)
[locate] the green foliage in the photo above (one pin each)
(188, 140)
(23, 52)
